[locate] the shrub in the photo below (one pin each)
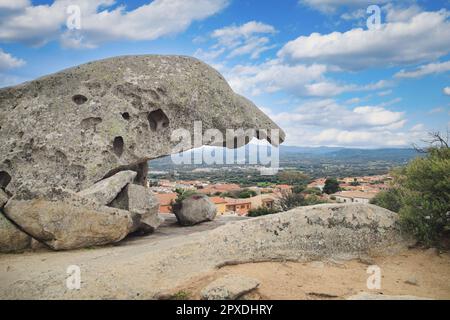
(421, 196)
(261, 211)
(331, 186)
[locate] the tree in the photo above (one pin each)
(331, 186)
(421, 193)
(293, 177)
(261, 211)
(298, 189)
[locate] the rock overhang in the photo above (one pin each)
(78, 126)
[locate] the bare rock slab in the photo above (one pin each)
(142, 204)
(105, 191)
(69, 223)
(229, 287)
(195, 209)
(375, 296)
(11, 238)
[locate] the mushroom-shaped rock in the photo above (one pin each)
(81, 125)
(194, 209)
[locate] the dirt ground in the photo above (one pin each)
(421, 273)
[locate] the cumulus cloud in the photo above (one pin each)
(424, 70)
(327, 122)
(447, 91)
(424, 37)
(7, 61)
(38, 24)
(249, 39)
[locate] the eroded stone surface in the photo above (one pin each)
(105, 191)
(11, 238)
(229, 287)
(195, 209)
(374, 296)
(143, 204)
(74, 128)
(3, 198)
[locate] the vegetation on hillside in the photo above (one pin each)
(421, 194)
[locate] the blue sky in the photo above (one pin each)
(313, 65)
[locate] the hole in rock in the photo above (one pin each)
(126, 116)
(5, 179)
(118, 146)
(79, 99)
(158, 120)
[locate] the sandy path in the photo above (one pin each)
(339, 280)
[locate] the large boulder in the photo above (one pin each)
(105, 191)
(142, 204)
(195, 209)
(73, 128)
(229, 287)
(68, 221)
(11, 238)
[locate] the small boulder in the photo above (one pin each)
(195, 209)
(11, 238)
(142, 204)
(229, 287)
(69, 221)
(105, 191)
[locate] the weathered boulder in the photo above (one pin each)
(68, 221)
(11, 238)
(76, 127)
(229, 287)
(105, 191)
(3, 198)
(142, 204)
(195, 209)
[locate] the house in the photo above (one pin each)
(221, 204)
(354, 196)
(263, 200)
(283, 188)
(219, 188)
(239, 206)
(165, 201)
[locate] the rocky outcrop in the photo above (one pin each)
(92, 129)
(142, 204)
(69, 221)
(11, 238)
(195, 209)
(229, 287)
(73, 128)
(105, 191)
(164, 262)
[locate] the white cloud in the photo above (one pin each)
(447, 91)
(7, 61)
(272, 77)
(249, 39)
(424, 70)
(38, 24)
(423, 37)
(331, 6)
(326, 122)
(436, 110)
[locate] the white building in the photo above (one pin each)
(354, 197)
